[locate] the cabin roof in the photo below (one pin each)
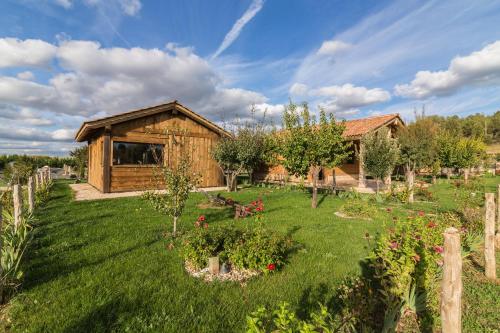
(358, 127)
(89, 127)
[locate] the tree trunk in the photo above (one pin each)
(234, 183)
(466, 175)
(434, 179)
(175, 226)
(314, 203)
(410, 178)
(378, 185)
(448, 173)
(250, 177)
(228, 182)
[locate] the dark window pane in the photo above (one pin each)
(136, 153)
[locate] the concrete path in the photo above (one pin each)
(84, 191)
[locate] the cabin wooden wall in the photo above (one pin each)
(95, 163)
(197, 141)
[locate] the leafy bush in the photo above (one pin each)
(358, 208)
(14, 242)
(42, 193)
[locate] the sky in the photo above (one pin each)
(63, 62)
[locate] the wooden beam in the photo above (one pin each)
(106, 160)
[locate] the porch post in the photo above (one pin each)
(361, 178)
(106, 161)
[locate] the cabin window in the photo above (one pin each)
(126, 153)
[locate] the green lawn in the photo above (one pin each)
(101, 266)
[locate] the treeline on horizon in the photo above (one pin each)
(37, 161)
(477, 125)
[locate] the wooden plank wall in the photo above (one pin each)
(95, 163)
(197, 142)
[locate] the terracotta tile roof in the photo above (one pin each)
(358, 127)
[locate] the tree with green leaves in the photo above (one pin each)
(446, 151)
(380, 154)
(308, 146)
(469, 153)
(250, 145)
(418, 149)
(81, 157)
(175, 177)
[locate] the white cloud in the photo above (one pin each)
(64, 3)
(350, 97)
(480, 67)
(299, 89)
(131, 7)
(25, 53)
(33, 134)
(235, 31)
(26, 75)
(333, 47)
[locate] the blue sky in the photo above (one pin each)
(66, 61)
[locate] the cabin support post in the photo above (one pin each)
(361, 178)
(106, 160)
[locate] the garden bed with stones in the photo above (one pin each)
(234, 274)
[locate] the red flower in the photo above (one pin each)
(388, 209)
(394, 245)
(271, 267)
(421, 213)
(205, 225)
(438, 249)
(259, 209)
(431, 224)
(416, 258)
(248, 209)
(201, 218)
(254, 203)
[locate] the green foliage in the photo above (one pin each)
(418, 144)
(19, 171)
(37, 161)
(80, 155)
(178, 181)
(42, 193)
(380, 154)
(14, 241)
(446, 153)
(469, 152)
(359, 208)
(253, 248)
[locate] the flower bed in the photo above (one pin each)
(249, 251)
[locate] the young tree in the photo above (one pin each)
(469, 152)
(418, 149)
(380, 154)
(248, 147)
(446, 151)
(307, 146)
(176, 178)
(81, 156)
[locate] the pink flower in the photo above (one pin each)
(201, 218)
(416, 258)
(394, 245)
(197, 224)
(259, 209)
(205, 225)
(431, 224)
(421, 213)
(438, 249)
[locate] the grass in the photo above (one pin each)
(101, 266)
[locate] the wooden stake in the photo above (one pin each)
(498, 218)
(451, 285)
(489, 234)
(1, 272)
(213, 265)
(18, 204)
(31, 195)
(37, 181)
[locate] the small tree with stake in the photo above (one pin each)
(178, 180)
(308, 146)
(380, 154)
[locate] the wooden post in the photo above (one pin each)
(361, 178)
(31, 195)
(451, 285)
(489, 237)
(17, 194)
(1, 272)
(213, 265)
(37, 181)
(49, 174)
(106, 160)
(498, 218)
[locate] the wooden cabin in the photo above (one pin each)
(125, 149)
(351, 173)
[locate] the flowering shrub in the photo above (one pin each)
(253, 247)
